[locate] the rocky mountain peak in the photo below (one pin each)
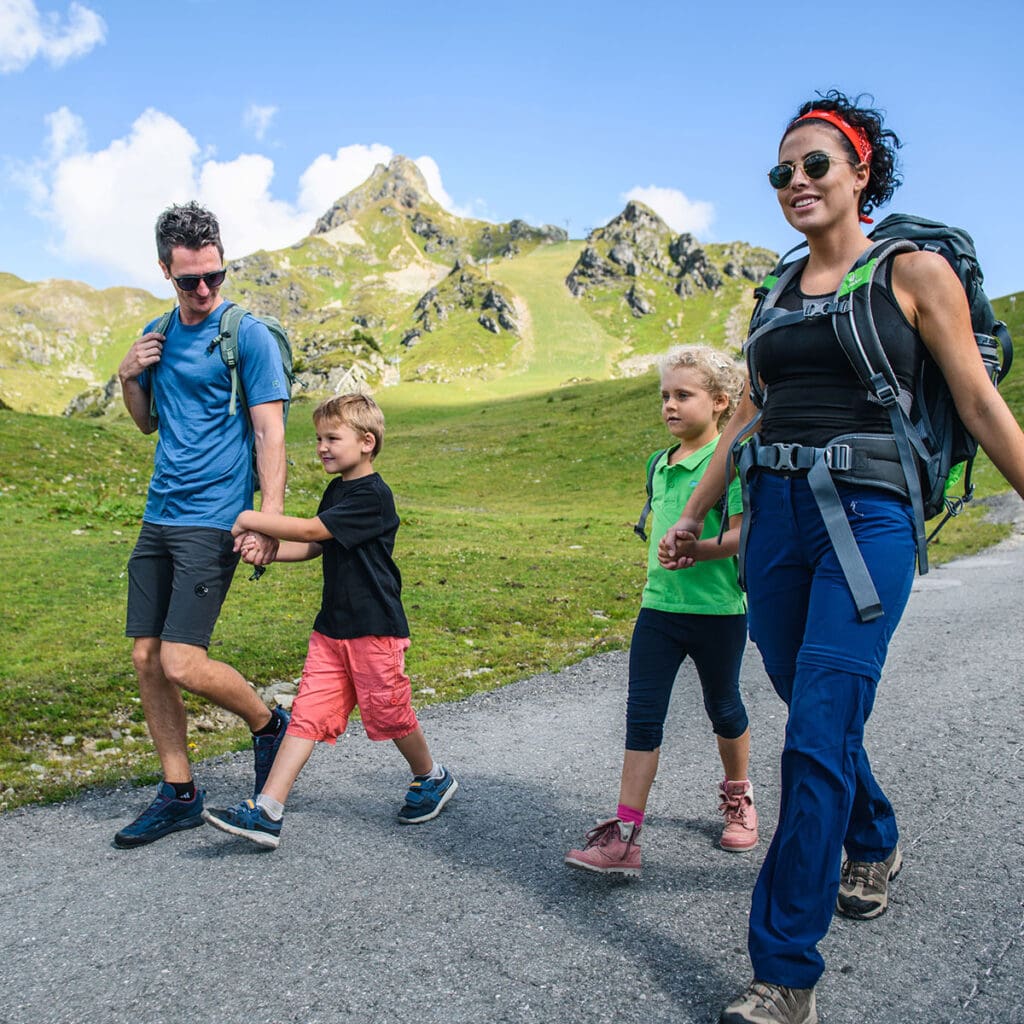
(399, 182)
(636, 218)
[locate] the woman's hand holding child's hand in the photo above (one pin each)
(677, 549)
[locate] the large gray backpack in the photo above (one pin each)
(931, 450)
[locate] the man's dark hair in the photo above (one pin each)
(189, 225)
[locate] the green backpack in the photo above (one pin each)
(227, 341)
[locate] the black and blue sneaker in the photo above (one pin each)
(248, 821)
(265, 748)
(426, 797)
(164, 815)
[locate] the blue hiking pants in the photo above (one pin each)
(825, 664)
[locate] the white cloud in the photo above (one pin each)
(26, 33)
(67, 134)
(257, 119)
(678, 212)
(103, 204)
(238, 192)
(432, 173)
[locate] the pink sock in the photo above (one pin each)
(630, 814)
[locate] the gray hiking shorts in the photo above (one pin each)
(178, 577)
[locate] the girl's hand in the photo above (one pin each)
(675, 549)
(685, 551)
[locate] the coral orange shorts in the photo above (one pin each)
(368, 671)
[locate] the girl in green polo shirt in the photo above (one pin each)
(700, 613)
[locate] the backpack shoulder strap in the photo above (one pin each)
(854, 322)
(160, 327)
(227, 341)
(640, 529)
(858, 337)
(768, 317)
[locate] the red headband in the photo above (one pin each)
(857, 136)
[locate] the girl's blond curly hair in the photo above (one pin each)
(719, 373)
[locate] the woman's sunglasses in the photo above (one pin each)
(815, 166)
(214, 279)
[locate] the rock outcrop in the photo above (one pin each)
(638, 245)
(465, 288)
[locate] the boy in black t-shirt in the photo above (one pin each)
(357, 650)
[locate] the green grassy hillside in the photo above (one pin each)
(58, 338)
(516, 552)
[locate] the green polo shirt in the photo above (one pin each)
(707, 588)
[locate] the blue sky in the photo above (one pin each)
(553, 112)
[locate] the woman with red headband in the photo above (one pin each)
(836, 164)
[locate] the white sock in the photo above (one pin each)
(435, 772)
(274, 808)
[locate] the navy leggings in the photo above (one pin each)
(661, 642)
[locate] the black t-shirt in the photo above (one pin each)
(813, 392)
(362, 593)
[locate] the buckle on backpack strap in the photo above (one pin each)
(784, 455)
(825, 307)
(839, 457)
(814, 308)
(883, 390)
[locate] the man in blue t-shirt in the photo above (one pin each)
(183, 562)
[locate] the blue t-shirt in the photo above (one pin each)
(202, 469)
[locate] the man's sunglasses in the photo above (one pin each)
(815, 166)
(214, 279)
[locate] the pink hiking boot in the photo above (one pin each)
(612, 849)
(737, 804)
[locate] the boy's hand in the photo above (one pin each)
(258, 548)
(247, 543)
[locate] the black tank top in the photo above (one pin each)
(813, 393)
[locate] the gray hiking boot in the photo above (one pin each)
(764, 1003)
(864, 885)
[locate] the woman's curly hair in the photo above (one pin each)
(884, 178)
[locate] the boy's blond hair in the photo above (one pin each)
(360, 412)
(719, 374)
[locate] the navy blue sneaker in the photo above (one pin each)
(265, 749)
(426, 797)
(248, 821)
(164, 815)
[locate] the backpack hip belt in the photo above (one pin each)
(859, 459)
(871, 460)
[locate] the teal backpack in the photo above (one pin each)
(227, 342)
